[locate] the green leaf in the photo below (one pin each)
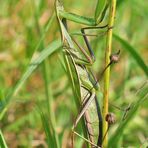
(133, 53)
(100, 10)
(31, 67)
(2, 141)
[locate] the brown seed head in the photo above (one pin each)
(110, 118)
(115, 57)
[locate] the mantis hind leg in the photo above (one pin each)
(85, 106)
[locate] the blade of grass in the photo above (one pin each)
(142, 95)
(133, 53)
(2, 141)
(45, 69)
(48, 128)
(54, 46)
(47, 26)
(100, 6)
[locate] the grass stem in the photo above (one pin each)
(107, 72)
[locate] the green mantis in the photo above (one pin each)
(83, 81)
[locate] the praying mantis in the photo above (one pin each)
(83, 81)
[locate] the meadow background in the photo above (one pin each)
(37, 107)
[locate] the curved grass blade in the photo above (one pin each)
(100, 8)
(47, 26)
(142, 95)
(133, 53)
(54, 46)
(49, 130)
(2, 141)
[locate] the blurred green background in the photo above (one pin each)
(22, 25)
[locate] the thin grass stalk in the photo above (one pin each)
(107, 72)
(46, 78)
(2, 141)
(44, 65)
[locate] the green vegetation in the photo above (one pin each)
(37, 107)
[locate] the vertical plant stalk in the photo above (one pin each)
(107, 72)
(46, 73)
